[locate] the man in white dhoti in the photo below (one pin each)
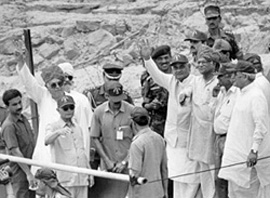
(248, 139)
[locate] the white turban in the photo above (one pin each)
(67, 68)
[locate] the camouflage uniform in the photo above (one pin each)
(150, 92)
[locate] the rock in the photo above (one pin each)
(48, 51)
(67, 31)
(71, 49)
(7, 46)
(37, 59)
(87, 26)
(100, 39)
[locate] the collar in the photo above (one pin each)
(107, 108)
(259, 74)
(102, 89)
(247, 88)
(145, 130)
(221, 34)
(16, 118)
(63, 123)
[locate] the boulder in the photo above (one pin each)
(48, 51)
(71, 49)
(100, 39)
(87, 26)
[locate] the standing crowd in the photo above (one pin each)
(202, 130)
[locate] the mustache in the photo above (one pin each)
(192, 47)
(20, 109)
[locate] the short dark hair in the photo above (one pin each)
(9, 95)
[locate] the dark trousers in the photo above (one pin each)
(170, 188)
(20, 190)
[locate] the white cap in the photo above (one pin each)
(67, 68)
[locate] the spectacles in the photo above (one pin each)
(56, 84)
(68, 107)
(179, 67)
(211, 18)
(193, 41)
(70, 78)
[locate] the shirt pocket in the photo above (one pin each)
(66, 142)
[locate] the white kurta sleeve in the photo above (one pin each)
(159, 77)
(261, 120)
(32, 87)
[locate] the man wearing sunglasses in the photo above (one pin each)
(65, 138)
(224, 48)
(213, 21)
(46, 96)
(82, 103)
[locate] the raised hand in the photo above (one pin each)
(145, 49)
(20, 53)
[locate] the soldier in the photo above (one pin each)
(213, 19)
(155, 97)
(224, 49)
(97, 95)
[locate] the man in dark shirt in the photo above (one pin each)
(20, 142)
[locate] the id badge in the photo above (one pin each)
(119, 134)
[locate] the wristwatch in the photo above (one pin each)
(254, 152)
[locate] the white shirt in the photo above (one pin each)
(264, 85)
(47, 113)
(224, 107)
(248, 129)
(202, 137)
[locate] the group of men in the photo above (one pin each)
(203, 124)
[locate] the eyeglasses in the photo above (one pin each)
(68, 107)
(70, 78)
(56, 84)
(211, 18)
(179, 66)
(194, 41)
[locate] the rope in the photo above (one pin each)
(207, 170)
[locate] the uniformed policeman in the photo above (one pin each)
(213, 19)
(155, 97)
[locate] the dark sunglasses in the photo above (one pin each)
(211, 18)
(70, 78)
(57, 84)
(68, 107)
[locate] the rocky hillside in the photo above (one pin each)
(88, 33)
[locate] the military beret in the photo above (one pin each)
(49, 73)
(161, 50)
(211, 11)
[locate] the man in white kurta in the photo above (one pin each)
(247, 140)
(47, 110)
(260, 81)
(201, 136)
(177, 123)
